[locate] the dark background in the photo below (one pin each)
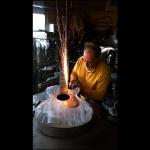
(16, 109)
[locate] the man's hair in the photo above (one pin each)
(94, 47)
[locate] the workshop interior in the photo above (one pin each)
(60, 30)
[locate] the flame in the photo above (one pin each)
(64, 76)
(65, 66)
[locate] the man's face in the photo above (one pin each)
(89, 57)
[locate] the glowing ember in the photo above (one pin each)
(72, 102)
(69, 99)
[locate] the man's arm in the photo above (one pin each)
(74, 75)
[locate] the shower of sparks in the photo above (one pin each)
(65, 66)
(64, 71)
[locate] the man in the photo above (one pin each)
(91, 74)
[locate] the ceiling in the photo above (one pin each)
(73, 5)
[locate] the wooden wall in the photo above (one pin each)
(101, 17)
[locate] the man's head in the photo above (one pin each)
(91, 54)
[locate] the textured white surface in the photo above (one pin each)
(53, 112)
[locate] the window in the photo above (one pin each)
(39, 24)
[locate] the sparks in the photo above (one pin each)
(64, 76)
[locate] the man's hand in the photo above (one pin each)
(73, 84)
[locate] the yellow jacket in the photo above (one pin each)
(95, 83)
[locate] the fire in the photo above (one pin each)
(65, 67)
(64, 71)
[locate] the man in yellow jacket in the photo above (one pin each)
(91, 74)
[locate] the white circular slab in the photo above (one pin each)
(54, 113)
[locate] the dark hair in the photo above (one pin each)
(94, 47)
